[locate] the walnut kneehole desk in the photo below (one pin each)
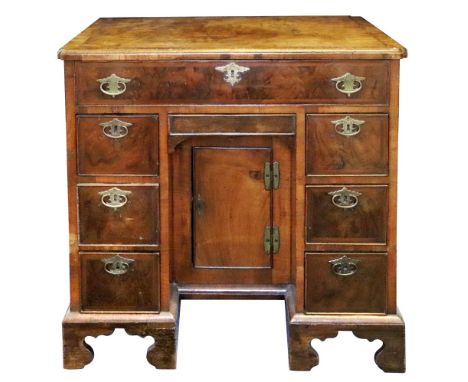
(233, 157)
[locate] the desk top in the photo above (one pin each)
(253, 37)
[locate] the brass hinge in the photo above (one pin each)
(271, 176)
(271, 240)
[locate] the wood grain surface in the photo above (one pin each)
(231, 207)
(364, 223)
(234, 37)
(137, 222)
(329, 153)
(135, 290)
(362, 292)
(134, 154)
(198, 82)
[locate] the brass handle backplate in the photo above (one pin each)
(344, 266)
(348, 83)
(115, 129)
(113, 85)
(117, 265)
(348, 126)
(345, 198)
(114, 197)
(232, 72)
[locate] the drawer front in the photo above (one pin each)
(346, 214)
(232, 124)
(118, 214)
(117, 83)
(347, 144)
(345, 283)
(117, 145)
(120, 282)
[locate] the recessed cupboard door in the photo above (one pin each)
(231, 210)
(231, 207)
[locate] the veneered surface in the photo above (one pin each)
(236, 37)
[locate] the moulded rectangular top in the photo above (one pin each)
(253, 37)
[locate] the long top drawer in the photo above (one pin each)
(243, 81)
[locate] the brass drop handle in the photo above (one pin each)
(344, 266)
(117, 265)
(348, 83)
(114, 197)
(115, 128)
(348, 126)
(345, 198)
(232, 72)
(113, 85)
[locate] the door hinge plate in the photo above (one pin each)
(271, 240)
(271, 176)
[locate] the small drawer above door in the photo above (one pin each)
(345, 283)
(346, 214)
(118, 214)
(120, 282)
(117, 145)
(343, 144)
(232, 124)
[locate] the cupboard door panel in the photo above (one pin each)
(219, 238)
(231, 207)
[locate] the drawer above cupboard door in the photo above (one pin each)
(120, 282)
(118, 214)
(117, 145)
(342, 144)
(351, 214)
(346, 283)
(240, 81)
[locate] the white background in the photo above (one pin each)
(233, 340)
